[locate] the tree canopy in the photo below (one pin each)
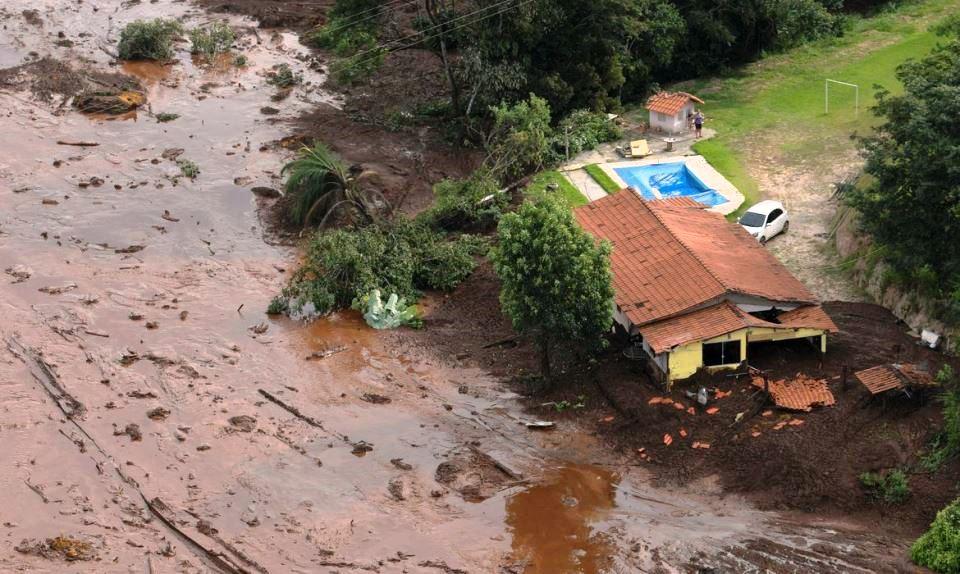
(556, 282)
(912, 206)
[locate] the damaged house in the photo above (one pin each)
(695, 289)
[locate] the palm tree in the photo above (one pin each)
(320, 185)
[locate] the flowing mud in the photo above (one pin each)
(154, 419)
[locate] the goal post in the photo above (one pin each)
(826, 95)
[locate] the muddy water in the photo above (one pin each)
(144, 409)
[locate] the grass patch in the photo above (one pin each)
(282, 76)
(553, 182)
(776, 106)
(601, 177)
(164, 117)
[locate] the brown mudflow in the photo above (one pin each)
(155, 419)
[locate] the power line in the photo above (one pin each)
(356, 19)
(417, 39)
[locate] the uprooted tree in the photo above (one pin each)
(556, 282)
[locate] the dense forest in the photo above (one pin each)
(596, 55)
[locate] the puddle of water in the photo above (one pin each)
(553, 523)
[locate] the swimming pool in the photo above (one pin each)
(673, 179)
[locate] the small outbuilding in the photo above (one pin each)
(669, 111)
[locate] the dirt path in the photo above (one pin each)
(806, 187)
(156, 418)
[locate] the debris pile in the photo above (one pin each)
(799, 394)
(883, 378)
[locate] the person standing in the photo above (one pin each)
(698, 123)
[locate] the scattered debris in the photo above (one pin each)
(58, 290)
(375, 399)
(361, 448)
(398, 462)
(78, 144)
(20, 273)
(243, 423)
(539, 425)
(62, 547)
(158, 413)
(132, 430)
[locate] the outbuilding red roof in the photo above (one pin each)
(670, 102)
(670, 258)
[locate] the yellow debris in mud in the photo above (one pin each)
(132, 99)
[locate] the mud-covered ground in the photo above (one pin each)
(154, 419)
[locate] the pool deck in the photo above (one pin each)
(696, 164)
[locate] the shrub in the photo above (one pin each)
(282, 76)
(352, 36)
(471, 203)
(402, 257)
(153, 40)
(939, 548)
(240, 60)
(164, 117)
(211, 40)
(188, 168)
(892, 487)
(584, 130)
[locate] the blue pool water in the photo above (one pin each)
(663, 180)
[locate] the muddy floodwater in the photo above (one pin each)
(155, 419)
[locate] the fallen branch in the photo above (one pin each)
(78, 144)
(43, 374)
(296, 412)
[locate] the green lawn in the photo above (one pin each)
(601, 177)
(565, 190)
(775, 107)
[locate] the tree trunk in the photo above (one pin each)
(545, 345)
(454, 88)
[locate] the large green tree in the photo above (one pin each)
(912, 205)
(556, 282)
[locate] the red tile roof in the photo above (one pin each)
(705, 323)
(730, 254)
(813, 317)
(800, 394)
(883, 378)
(669, 258)
(655, 276)
(724, 318)
(677, 201)
(670, 103)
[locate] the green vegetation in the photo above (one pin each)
(153, 40)
(352, 34)
(240, 60)
(390, 315)
(912, 208)
(552, 183)
(775, 108)
(282, 76)
(472, 203)
(519, 141)
(556, 282)
(891, 487)
(211, 40)
(939, 548)
(320, 186)
(164, 117)
(584, 130)
(401, 257)
(947, 443)
(188, 168)
(601, 177)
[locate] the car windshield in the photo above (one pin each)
(752, 219)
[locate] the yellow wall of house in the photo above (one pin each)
(685, 360)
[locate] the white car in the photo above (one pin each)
(765, 220)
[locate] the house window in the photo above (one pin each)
(725, 353)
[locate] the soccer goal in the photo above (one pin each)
(826, 95)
